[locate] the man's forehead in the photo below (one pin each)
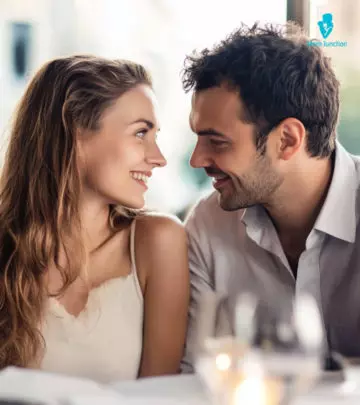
(215, 96)
(216, 104)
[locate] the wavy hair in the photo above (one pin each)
(279, 73)
(40, 187)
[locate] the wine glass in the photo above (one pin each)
(250, 352)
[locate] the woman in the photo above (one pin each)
(82, 293)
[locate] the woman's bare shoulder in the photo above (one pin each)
(159, 225)
(160, 238)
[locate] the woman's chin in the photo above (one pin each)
(133, 204)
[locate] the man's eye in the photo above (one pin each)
(217, 142)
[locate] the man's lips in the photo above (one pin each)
(219, 178)
(218, 183)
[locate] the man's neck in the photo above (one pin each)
(297, 206)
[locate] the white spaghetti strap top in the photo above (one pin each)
(104, 342)
(134, 271)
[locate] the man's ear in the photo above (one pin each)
(291, 137)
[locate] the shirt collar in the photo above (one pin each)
(338, 216)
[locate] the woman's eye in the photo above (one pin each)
(141, 134)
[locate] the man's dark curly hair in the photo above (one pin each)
(278, 74)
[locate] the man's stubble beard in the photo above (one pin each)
(252, 188)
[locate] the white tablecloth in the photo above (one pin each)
(188, 389)
(177, 390)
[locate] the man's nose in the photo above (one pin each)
(199, 158)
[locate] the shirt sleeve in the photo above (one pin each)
(201, 278)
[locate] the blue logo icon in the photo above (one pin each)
(326, 25)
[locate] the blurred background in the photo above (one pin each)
(159, 33)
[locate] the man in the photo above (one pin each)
(284, 217)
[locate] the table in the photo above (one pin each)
(188, 389)
(54, 389)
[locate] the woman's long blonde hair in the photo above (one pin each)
(40, 186)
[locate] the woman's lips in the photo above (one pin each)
(141, 182)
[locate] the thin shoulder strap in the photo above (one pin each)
(132, 258)
(132, 245)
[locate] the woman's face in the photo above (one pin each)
(117, 160)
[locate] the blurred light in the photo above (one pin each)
(308, 322)
(317, 3)
(348, 387)
(250, 391)
(223, 361)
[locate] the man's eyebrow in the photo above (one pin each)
(210, 131)
(148, 123)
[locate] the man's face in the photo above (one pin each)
(226, 150)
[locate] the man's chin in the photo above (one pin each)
(228, 203)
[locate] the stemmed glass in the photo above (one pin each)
(252, 353)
